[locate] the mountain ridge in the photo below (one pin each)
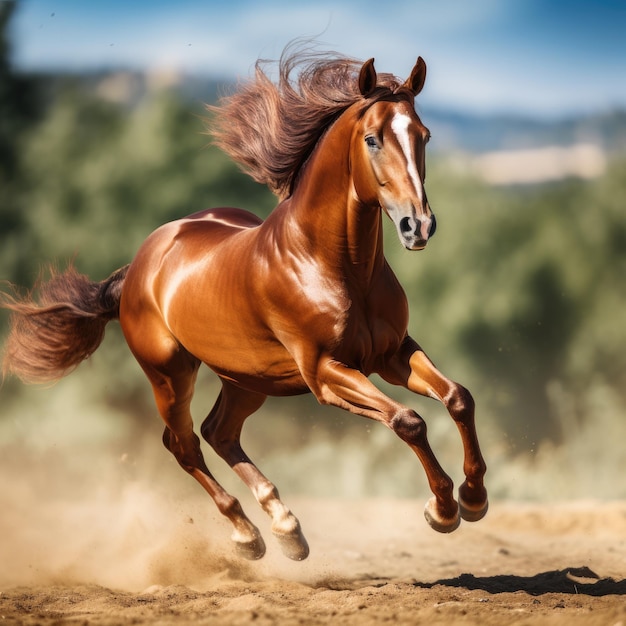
(452, 130)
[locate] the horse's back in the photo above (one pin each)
(227, 216)
(171, 254)
(195, 235)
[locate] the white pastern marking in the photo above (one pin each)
(400, 126)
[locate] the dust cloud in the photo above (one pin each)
(119, 531)
(92, 497)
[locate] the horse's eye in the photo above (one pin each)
(371, 142)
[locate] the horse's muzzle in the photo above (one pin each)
(416, 233)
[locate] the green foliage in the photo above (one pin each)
(93, 170)
(19, 110)
(18, 102)
(527, 291)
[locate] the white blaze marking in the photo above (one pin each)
(400, 126)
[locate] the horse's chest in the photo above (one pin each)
(374, 328)
(369, 338)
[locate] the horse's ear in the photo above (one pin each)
(415, 82)
(367, 78)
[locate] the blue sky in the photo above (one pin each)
(539, 57)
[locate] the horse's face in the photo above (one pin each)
(388, 161)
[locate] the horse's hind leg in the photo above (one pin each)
(173, 382)
(222, 429)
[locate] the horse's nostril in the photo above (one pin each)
(405, 225)
(433, 225)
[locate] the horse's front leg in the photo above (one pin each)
(411, 368)
(339, 385)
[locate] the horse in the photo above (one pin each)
(304, 301)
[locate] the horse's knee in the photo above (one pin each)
(409, 426)
(186, 450)
(460, 403)
(226, 445)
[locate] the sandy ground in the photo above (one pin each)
(371, 562)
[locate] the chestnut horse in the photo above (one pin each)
(304, 301)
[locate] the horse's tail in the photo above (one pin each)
(53, 334)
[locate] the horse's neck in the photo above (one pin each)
(345, 233)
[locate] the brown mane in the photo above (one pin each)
(270, 129)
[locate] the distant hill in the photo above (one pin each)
(451, 131)
(471, 133)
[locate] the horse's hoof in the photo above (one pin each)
(473, 512)
(437, 522)
(251, 550)
(293, 545)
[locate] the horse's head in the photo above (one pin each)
(388, 156)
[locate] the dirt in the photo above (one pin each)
(371, 562)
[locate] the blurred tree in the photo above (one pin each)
(98, 177)
(19, 111)
(18, 102)
(527, 291)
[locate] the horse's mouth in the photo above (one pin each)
(415, 246)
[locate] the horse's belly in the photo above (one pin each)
(261, 367)
(231, 338)
(271, 383)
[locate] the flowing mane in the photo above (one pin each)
(270, 129)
